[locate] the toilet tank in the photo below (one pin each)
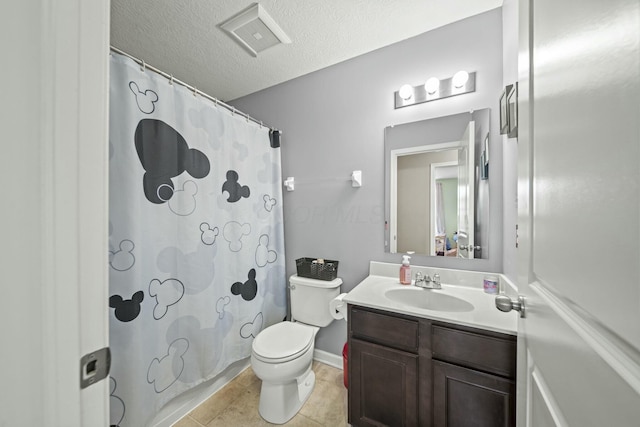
(310, 299)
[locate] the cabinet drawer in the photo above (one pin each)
(387, 330)
(483, 352)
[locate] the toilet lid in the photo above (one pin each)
(283, 340)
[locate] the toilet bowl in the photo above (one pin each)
(281, 357)
(282, 354)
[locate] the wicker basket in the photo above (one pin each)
(306, 267)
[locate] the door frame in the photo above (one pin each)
(393, 183)
(76, 58)
(432, 203)
(59, 69)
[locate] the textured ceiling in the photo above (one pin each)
(183, 38)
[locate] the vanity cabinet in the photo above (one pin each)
(410, 371)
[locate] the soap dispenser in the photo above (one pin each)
(405, 271)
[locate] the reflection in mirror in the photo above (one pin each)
(435, 200)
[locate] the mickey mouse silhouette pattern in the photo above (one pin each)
(248, 289)
(122, 259)
(235, 190)
(116, 405)
(126, 310)
(251, 329)
(209, 234)
(264, 255)
(269, 202)
(166, 293)
(233, 232)
(146, 100)
(165, 371)
(164, 154)
(221, 304)
(183, 202)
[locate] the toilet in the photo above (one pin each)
(282, 354)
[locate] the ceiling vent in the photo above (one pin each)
(255, 30)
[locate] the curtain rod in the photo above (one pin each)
(216, 101)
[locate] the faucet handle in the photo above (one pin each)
(419, 277)
(436, 279)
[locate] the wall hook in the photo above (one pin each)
(289, 183)
(356, 179)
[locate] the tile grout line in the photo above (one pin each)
(195, 421)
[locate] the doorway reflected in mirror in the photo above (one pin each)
(436, 203)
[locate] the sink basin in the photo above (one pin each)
(427, 299)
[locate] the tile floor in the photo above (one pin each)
(237, 403)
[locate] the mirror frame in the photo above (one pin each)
(440, 132)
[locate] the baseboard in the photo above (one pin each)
(328, 358)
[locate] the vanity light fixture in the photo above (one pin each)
(432, 85)
(406, 92)
(460, 79)
(434, 88)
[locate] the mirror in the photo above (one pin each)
(437, 186)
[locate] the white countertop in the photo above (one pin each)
(484, 314)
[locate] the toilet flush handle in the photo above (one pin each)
(292, 287)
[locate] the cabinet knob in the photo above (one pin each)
(506, 304)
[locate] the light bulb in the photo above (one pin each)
(432, 85)
(460, 79)
(406, 92)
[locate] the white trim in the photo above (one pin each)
(432, 203)
(549, 401)
(328, 358)
(598, 339)
(393, 203)
(425, 148)
(74, 179)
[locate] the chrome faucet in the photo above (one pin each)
(436, 281)
(426, 282)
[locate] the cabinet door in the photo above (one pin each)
(463, 397)
(383, 386)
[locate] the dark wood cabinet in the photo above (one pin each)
(389, 397)
(465, 397)
(409, 371)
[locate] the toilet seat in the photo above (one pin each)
(283, 342)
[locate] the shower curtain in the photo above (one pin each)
(196, 239)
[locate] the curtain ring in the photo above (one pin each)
(215, 102)
(234, 111)
(171, 80)
(195, 91)
(260, 124)
(144, 66)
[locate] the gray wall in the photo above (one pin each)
(333, 122)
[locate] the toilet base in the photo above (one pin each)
(281, 402)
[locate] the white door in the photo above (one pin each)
(53, 255)
(466, 192)
(579, 213)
